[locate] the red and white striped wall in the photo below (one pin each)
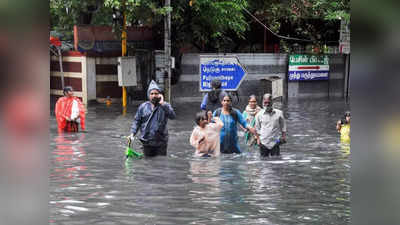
(79, 72)
(91, 77)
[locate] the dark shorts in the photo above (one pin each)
(151, 151)
(266, 152)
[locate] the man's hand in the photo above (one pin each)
(131, 137)
(338, 125)
(161, 99)
(283, 137)
(209, 116)
(252, 130)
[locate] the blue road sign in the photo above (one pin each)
(227, 69)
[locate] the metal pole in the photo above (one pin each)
(265, 40)
(61, 67)
(123, 37)
(346, 77)
(167, 52)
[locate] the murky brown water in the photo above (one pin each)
(90, 182)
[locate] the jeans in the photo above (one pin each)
(151, 151)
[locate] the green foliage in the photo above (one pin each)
(210, 25)
(304, 17)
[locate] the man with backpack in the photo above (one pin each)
(151, 119)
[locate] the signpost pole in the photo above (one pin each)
(123, 37)
(61, 66)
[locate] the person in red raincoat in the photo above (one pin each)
(70, 112)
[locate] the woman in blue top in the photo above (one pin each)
(230, 117)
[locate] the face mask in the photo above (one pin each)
(268, 108)
(155, 100)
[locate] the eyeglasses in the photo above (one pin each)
(252, 101)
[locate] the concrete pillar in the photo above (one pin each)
(91, 78)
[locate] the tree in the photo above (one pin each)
(313, 20)
(210, 25)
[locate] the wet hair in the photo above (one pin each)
(252, 96)
(199, 116)
(343, 120)
(213, 95)
(226, 94)
(267, 95)
(230, 97)
(232, 112)
(216, 83)
(66, 89)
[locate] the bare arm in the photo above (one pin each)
(338, 125)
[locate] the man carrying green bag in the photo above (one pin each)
(130, 153)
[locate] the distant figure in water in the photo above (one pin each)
(212, 100)
(206, 135)
(249, 114)
(70, 112)
(343, 127)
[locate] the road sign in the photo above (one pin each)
(308, 67)
(225, 68)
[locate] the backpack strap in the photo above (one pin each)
(218, 112)
(233, 114)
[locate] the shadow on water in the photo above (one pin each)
(91, 183)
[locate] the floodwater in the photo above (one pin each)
(91, 183)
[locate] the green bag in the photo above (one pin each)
(130, 153)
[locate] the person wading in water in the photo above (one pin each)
(231, 118)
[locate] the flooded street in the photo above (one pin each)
(90, 182)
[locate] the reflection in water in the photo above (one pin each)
(206, 171)
(92, 183)
(67, 153)
(345, 148)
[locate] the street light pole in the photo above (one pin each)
(167, 52)
(123, 37)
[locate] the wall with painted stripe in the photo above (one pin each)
(263, 69)
(78, 72)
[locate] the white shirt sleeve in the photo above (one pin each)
(74, 110)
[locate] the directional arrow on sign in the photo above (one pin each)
(225, 68)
